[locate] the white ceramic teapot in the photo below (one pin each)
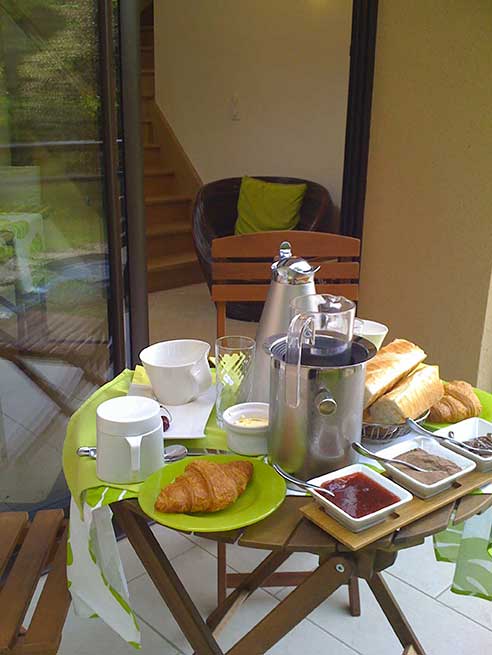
(130, 439)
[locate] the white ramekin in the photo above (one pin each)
(246, 440)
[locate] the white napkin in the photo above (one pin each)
(187, 421)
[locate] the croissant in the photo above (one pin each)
(459, 402)
(205, 486)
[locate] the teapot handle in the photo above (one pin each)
(134, 443)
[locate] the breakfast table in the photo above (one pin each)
(98, 586)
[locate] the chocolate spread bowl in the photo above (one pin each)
(431, 446)
(470, 428)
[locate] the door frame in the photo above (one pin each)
(359, 104)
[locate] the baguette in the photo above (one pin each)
(391, 364)
(410, 398)
(459, 402)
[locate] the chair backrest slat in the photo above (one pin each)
(266, 244)
(241, 265)
(250, 271)
(258, 292)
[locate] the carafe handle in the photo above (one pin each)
(301, 326)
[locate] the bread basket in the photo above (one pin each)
(379, 433)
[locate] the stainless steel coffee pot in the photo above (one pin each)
(313, 433)
(291, 277)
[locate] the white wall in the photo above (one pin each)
(427, 242)
(288, 62)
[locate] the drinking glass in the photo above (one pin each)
(234, 363)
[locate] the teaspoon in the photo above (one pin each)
(301, 483)
(359, 448)
(171, 453)
(427, 433)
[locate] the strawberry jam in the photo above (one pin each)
(358, 494)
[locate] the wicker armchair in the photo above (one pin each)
(215, 214)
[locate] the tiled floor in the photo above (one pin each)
(446, 624)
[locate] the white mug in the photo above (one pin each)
(178, 370)
(130, 439)
(370, 330)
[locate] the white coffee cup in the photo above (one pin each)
(130, 439)
(178, 370)
(370, 330)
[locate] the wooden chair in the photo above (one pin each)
(241, 272)
(26, 551)
(215, 214)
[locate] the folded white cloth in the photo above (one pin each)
(187, 421)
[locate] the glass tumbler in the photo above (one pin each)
(234, 364)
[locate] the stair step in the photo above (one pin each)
(164, 210)
(154, 231)
(152, 154)
(169, 272)
(167, 200)
(158, 181)
(165, 262)
(166, 239)
(147, 130)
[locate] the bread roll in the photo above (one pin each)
(390, 364)
(410, 398)
(459, 402)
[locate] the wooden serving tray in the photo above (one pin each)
(415, 509)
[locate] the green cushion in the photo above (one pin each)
(264, 206)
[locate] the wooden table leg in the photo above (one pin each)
(249, 585)
(330, 575)
(354, 596)
(221, 573)
(393, 613)
(166, 581)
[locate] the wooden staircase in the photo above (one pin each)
(171, 258)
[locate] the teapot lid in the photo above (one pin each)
(289, 269)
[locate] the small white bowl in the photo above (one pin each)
(434, 448)
(242, 439)
(364, 522)
(470, 428)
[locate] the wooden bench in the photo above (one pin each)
(27, 550)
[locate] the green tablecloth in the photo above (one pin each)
(96, 578)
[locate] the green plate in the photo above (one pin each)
(264, 493)
(483, 396)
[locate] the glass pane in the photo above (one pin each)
(54, 281)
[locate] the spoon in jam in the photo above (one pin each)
(301, 483)
(359, 448)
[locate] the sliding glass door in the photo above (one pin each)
(62, 236)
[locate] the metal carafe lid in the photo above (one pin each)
(288, 269)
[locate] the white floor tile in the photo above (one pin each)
(197, 570)
(93, 637)
(172, 542)
(418, 566)
(441, 630)
(477, 609)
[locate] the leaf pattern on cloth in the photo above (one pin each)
(468, 545)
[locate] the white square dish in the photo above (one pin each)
(421, 489)
(364, 522)
(470, 428)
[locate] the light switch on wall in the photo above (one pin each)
(235, 107)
